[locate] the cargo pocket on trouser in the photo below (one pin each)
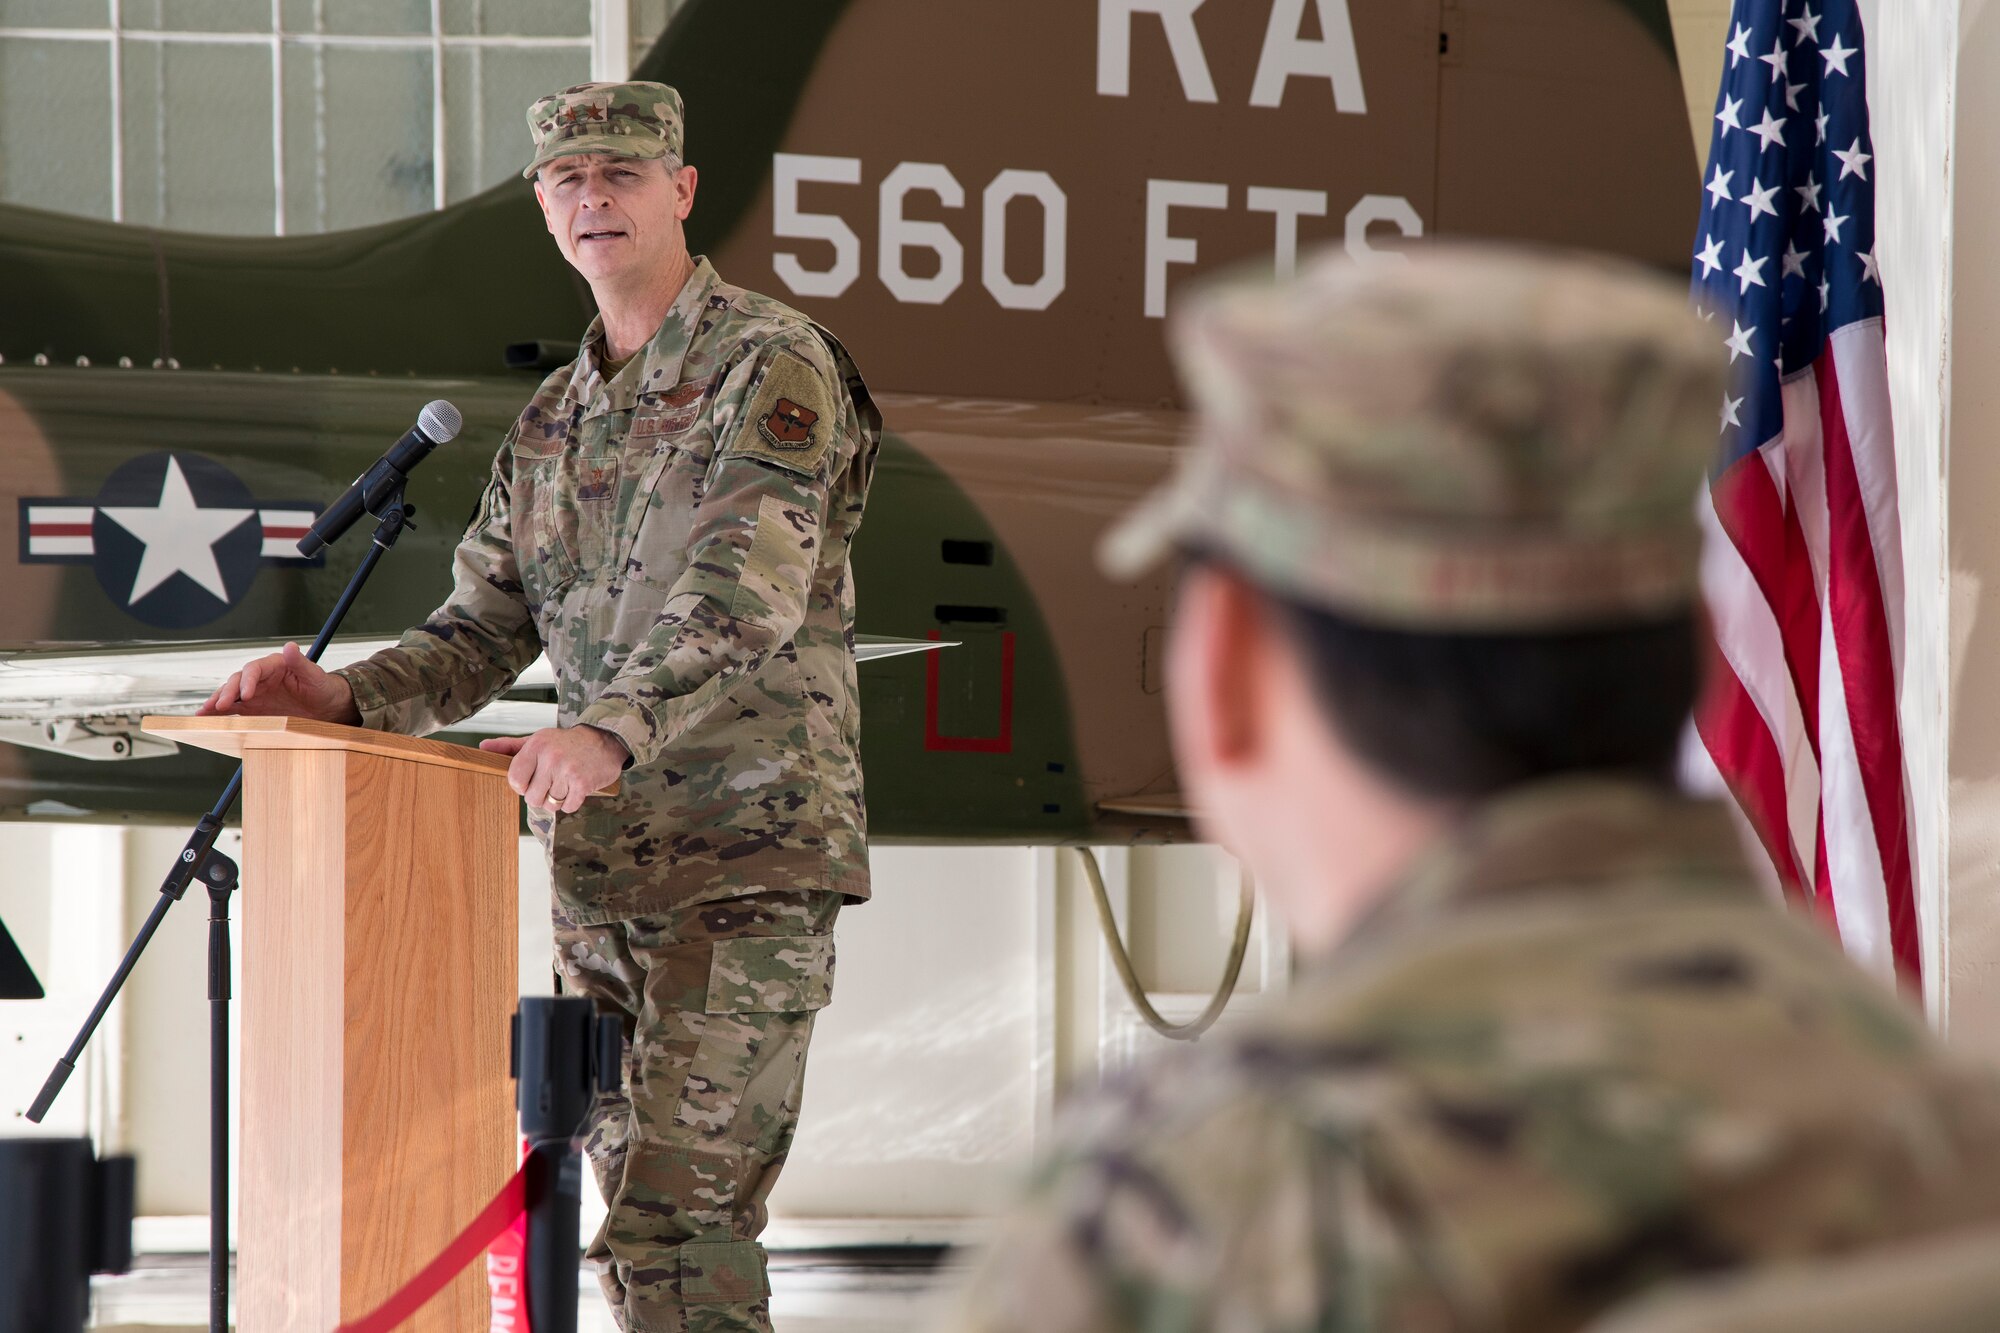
(701, 1287)
(724, 1287)
(695, 1188)
(762, 993)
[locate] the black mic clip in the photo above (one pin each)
(379, 490)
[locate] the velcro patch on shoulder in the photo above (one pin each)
(792, 419)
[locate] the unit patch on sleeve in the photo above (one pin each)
(792, 420)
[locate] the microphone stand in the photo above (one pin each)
(198, 859)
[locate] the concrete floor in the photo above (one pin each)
(810, 1293)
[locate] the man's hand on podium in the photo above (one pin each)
(284, 684)
(557, 767)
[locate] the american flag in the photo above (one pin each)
(1803, 571)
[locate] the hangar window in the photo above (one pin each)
(286, 116)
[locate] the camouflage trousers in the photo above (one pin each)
(717, 1002)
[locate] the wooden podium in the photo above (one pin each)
(379, 972)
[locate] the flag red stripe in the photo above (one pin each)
(1748, 759)
(1766, 533)
(1861, 637)
(1823, 904)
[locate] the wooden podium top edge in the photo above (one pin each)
(234, 735)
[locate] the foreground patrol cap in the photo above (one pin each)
(1480, 438)
(625, 119)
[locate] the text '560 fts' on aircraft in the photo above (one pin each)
(992, 204)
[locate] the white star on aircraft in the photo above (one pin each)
(179, 535)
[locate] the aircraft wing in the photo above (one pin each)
(86, 700)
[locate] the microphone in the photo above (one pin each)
(437, 424)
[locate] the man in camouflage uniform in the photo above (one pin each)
(669, 521)
(1434, 648)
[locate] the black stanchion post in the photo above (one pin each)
(564, 1055)
(64, 1215)
(219, 873)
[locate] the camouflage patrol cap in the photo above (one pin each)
(625, 119)
(1481, 438)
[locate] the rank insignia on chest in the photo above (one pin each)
(789, 426)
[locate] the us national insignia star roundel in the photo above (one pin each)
(174, 539)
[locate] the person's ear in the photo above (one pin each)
(548, 219)
(684, 184)
(1220, 628)
(1241, 646)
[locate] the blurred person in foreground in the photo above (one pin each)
(1433, 651)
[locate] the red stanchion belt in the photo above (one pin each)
(501, 1230)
